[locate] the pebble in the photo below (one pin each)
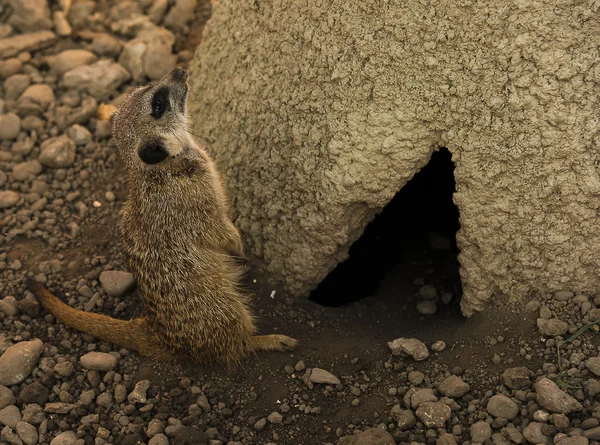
(8, 198)
(416, 377)
(18, 361)
(533, 434)
(98, 361)
(516, 378)
(6, 397)
(64, 369)
(427, 307)
(10, 416)
(438, 346)
(79, 134)
(552, 327)
(371, 436)
(275, 417)
(428, 292)
(69, 59)
(34, 393)
(9, 306)
(116, 283)
(551, 397)
(10, 437)
(11, 46)
(15, 85)
(100, 79)
(434, 414)
(575, 440)
(30, 15)
(37, 96)
(57, 152)
(260, 424)
(318, 375)
(592, 434)
(411, 346)
(10, 126)
(501, 406)
(27, 433)
(480, 432)
(593, 364)
(27, 171)
(138, 395)
(405, 419)
(159, 439)
(9, 67)
(454, 387)
(65, 438)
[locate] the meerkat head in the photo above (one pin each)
(150, 127)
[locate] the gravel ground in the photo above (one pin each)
(399, 367)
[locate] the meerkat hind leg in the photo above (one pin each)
(272, 342)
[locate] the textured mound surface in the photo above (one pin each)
(322, 111)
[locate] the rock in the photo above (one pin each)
(57, 152)
(30, 15)
(574, 440)
(159, 439)
(446, 439)
(10, 437)
(60, 407)
(260, 424)
(27, 433)
(434, 414)
(9, 306)
(275, 417)
(40, 95)
(10, 416)
(501, 406)
(27, 171)
(138, 395)
(65, 438)
(416, 377)
(371, 436)
(80, 12)
(116, 283)
(189, 435)
(410, 346)
(61, 24)
(33, 414)
(6, 397)
(318, 375)
(516, 378)
(454, 387)
(480, 432)
(106, 45)
(8, 198)
(18, 361)
(563, 295)
(592, 433)
(181, 14)
(551, 397)
(12, 46)
(69, 59)
(404, 418)
(98, 361)
(533, 434)
(64, 369)
(438, 346)
(552, 327)
(15, 85)
(9, 67)
(427, 307)
(100, 79)
(593, 364)
(34, 393)
(10, 126)
(419, 396)
(80, 135)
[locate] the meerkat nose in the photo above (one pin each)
(179, 74)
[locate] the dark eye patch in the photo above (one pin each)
(160, 102)
(153, 153)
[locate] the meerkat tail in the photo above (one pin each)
(131, 334)
(272, 342)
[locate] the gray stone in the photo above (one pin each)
(181, 14)
(480, 432)
(18, 361)
(34, 393)
(446, 439)
(60, 407)
(592, 434)
(65, 438)
(418, 396)
(260, 424)
(100, 79)
(318, 375)
(116, 283)
(454, 386)
(11, 46)
(574, 440)
(410, 346)
(79, 134)
(138, 395)
(501, 406)
(106, 45)
(30, 15)
(516, 378)
(33, 414)
(427, 307)
(40, 95)
(8, 198)
(9, 306)
(434, 414)
(98, 361)
(371, 436)
(69, 59)
(10, 126)
(28, 433)
(553, 327)
(64, 369)
(9, 437)
(15, 85)
(58, 152)
(6, 397)
(159, 439)
(533, 434)
(405, 419)
(593, 364)
(551, 397)
(275, 417)
(27, 171)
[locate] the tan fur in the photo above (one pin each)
(180, 244)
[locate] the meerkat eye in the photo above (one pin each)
(153, 153)
(160, 103)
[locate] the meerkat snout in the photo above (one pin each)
(153, 152)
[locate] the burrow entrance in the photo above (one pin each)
(413, 241)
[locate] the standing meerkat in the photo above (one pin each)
(179, 242)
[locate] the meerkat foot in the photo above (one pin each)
(273, 342)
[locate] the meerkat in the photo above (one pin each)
(179, 241)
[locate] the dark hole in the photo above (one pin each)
(399, 243)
